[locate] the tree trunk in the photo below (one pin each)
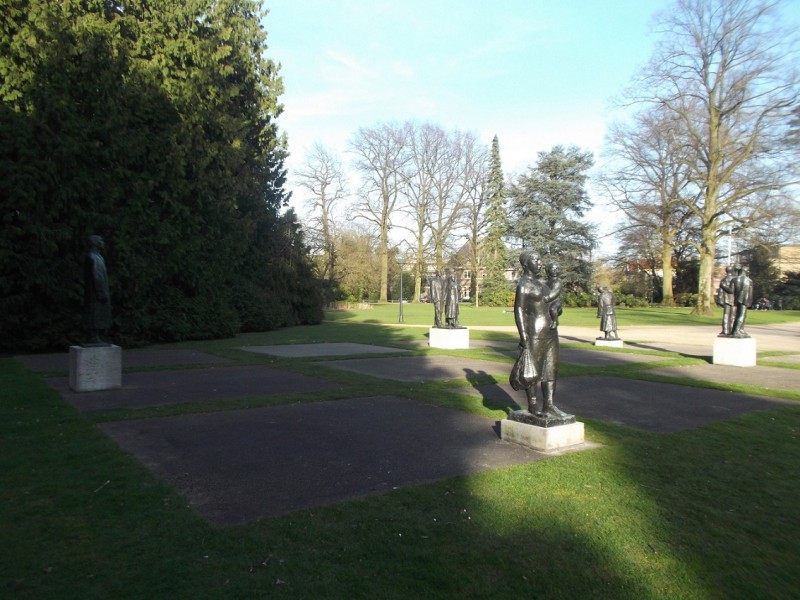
(667, 297)
(704, 292)
(383, 252)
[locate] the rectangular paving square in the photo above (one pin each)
(322, 349)
(420, 368)
(130, 359)
(154, 388)
(660, 407)
(240, 466)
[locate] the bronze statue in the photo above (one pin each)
(743, 296)
(97, 298)
(725, 299)
(606, 312)
(451, 298)
(538, 356)
(436, 285)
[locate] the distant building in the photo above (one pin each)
(786, 259)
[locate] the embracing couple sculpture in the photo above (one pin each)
(536, 309)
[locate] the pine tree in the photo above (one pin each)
(495, 285)
(547, 204)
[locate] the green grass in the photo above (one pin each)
(422, 314)
(706, 513)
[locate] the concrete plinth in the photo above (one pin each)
(449, 339)
(543, 439)
(93, 368)
(737, 352)
(608, 343)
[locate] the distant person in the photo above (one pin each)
(553, 272)
(97, 298)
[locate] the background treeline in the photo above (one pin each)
(151, 124)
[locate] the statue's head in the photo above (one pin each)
(96, 242)
(531, 260)
(553, 270)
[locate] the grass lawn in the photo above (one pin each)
(422, 314)
(706, 513)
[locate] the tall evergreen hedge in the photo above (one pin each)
(153, 125)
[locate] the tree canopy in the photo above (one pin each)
(153, 125)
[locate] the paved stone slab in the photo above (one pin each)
(241, 466)
(420, 368)
(660, 407)
(774, 378)
(154, 388)
(326, 349)
(130, 359)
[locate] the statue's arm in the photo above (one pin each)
(519, 315)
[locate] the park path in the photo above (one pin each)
(686, 339)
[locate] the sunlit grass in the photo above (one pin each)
(469, 315)
(705, 513)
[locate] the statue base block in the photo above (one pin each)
(608, 343)
(449, 339)
(543, 439)
(94, 368)
(737, 352)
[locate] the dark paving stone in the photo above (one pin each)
(130, 359)
(240, 466)
(660, 407)
(419, 368)
(322, 349)
(154, 388)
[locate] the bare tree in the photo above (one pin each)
(476, 222)
(425, 146)
(648, 178)
(451, 185)
(380, 159)
(723, 70)
(323, 178)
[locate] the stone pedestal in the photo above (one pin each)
(543, 439)
(608, 343)
(93, 368)
(737, 352)
(449, 339)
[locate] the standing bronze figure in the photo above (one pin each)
(538, 346)
(743, 296)
(606, 312)
(97, 298)
(436, 285)
(725, 299)
(451, 298)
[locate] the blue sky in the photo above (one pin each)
(536, 73)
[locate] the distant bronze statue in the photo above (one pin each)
(538, 346)
(97, 298)
(436, 285)
(725, 299)
(743, 296)
(554, 283)
(606, 312)
(451, 298)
